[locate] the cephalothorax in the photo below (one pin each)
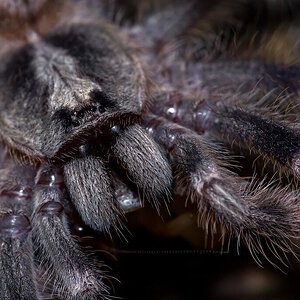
(78, 99)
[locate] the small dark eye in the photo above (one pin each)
(64, 117)
(80, 114)
(93, 108)
(102, 100)
(75, 123)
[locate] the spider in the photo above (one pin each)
(96, 118)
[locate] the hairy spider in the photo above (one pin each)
(93, 114)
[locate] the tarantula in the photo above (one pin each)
(93, 113)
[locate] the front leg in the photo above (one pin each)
(16, 250)
(264, 213)
(252, 105)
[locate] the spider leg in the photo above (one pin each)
(16, 258)
(16, 253)
(255, 121)
(270, 213)
(265, 136)
(144, 162)
(91, 192)
(75, 276)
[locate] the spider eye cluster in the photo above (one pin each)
(98, 104)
